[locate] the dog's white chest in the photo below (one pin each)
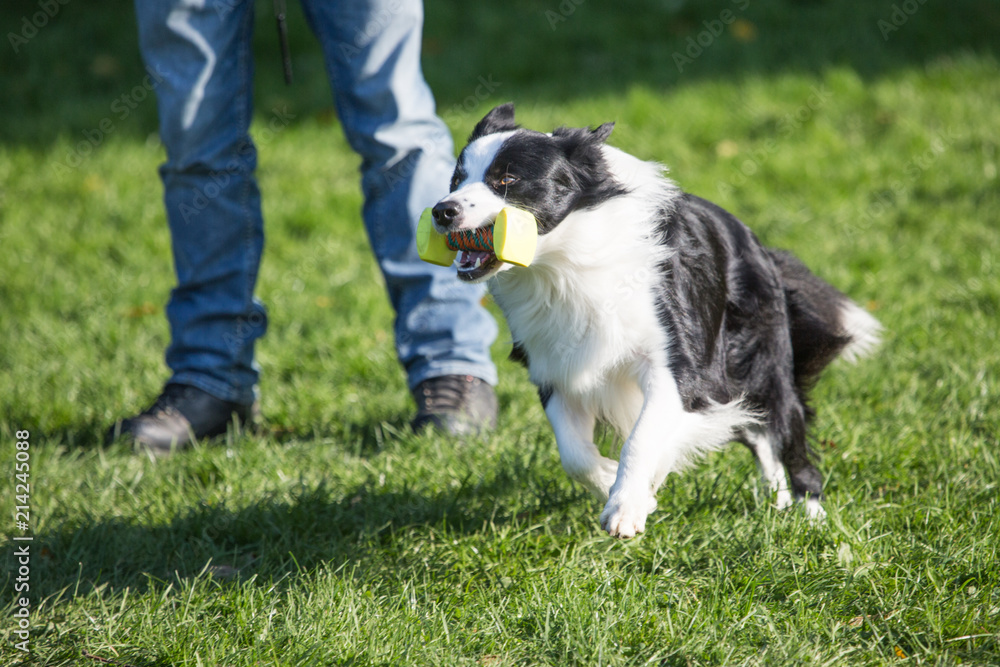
(585, 332)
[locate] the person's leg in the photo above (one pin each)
(203, 62)
(372, 50)
(200, 58)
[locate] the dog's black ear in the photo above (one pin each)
(579, 136)
(500, 119)
(602, 133)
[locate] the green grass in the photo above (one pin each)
(335, 537)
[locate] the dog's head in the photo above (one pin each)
(549, 175)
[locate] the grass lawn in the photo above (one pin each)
(863, 136)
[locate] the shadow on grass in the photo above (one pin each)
(274, 537)
(283, 534)
(526, 51)
(360, 438)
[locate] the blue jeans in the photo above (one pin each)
(199, 53)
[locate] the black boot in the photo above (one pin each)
(456, 404)
(180, 415)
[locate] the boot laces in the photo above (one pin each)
(446, 393)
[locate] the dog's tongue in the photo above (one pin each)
(472, 259)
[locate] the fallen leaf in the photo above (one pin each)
(93, 183)
(104, 65)
(744, 31)
(727, 148)
(142, 310)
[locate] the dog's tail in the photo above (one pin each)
(824, 322)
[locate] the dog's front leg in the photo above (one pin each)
(646, 458)
(574, 430)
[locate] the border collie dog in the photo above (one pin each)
(650, 309)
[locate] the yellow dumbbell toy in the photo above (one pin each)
(431, 246)
(513, 238)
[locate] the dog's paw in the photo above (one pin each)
(625, 518)
(814, 510)
(783, 499)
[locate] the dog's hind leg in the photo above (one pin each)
(805, 478)
(574, 430)
(767, 450)
(807, 484)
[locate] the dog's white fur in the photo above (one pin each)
(608, 359)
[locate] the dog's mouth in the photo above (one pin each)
(476, 258)
(475, 265)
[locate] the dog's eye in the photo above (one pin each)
(507, 179)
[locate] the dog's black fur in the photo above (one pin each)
(742, 324)
(741, 317)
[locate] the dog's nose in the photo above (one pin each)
(446, 213)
